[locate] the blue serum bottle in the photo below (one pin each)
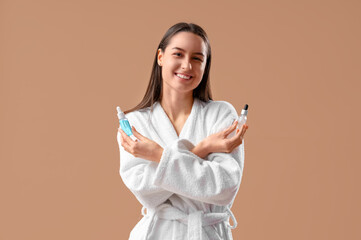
(242, 119)
(124, 124)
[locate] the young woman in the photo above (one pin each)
(186, 166)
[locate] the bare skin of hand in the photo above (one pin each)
(142, 148)
(218, 142)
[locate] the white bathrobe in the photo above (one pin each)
(185, 196)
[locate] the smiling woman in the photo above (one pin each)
(184, 170)
(201, 52)
(182, 66)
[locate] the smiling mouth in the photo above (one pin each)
(185, 77)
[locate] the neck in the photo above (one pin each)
(177, 106)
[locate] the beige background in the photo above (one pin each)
(66, 65)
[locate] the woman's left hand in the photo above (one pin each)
(142, 148)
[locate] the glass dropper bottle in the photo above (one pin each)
(241, 120)
(243, 117)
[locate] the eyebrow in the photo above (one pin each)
(181, 49)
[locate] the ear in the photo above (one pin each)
(159, 56)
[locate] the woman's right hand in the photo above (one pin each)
(218, 142)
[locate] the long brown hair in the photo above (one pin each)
(154, 89)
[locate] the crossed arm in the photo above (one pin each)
(217, 142)
(154, 181)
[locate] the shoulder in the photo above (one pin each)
(139, 115)
(218, 115)
(218, 109)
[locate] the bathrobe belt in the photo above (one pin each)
(195, 220)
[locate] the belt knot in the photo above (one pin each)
(194, 220)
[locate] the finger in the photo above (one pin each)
(235, 144)
(237, 137)
(121, 132)
(123, 142)
(137, 134)
(236, 141)
(121, 136)
(126, 138)
(245, 127)
(126, 146)
(230, 128)
(243, 132)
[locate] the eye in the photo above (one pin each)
(180, 54)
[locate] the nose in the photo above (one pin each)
(186, 64)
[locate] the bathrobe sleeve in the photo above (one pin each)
(138, 175)
(214, 180)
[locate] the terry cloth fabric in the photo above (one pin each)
(192, 186)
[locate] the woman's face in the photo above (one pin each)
(183, 62)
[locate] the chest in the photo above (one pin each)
(178, 125)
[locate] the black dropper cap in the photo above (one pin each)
(245, 107)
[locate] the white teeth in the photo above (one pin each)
(182, 76)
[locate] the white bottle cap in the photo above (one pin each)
(120, 113)
(245, 110)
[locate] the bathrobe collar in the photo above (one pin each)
(168, 132)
